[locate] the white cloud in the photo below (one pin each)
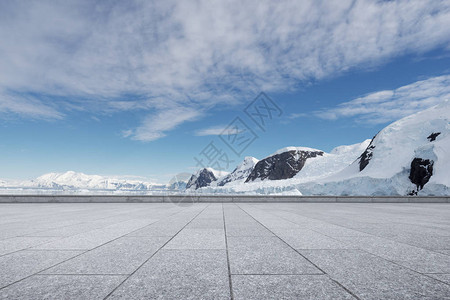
(217, 130)
(385, 106)
(27, 106)
(155, 126)
(102, 56)
(297, 115)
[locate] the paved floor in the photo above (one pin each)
(222, 251)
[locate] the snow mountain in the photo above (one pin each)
(204, 177)
(314, 168)
(410, 156)
(179, 182)
(77, 180)
(283, 164)
(240, 173)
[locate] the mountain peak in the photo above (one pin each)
(204, 177)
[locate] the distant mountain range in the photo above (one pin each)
(77, 181)
(409, 157)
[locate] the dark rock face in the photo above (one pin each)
(226, 180)
(201, 179)
(281, 166)
(421, 172)
(366, 156)
(432, 137)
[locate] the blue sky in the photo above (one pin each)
(141, 88)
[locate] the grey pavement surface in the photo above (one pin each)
(225, 251)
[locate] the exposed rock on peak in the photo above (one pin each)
(203, 178)
(284, 164)
(432, 137)
(367, 155)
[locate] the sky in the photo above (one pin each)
(149, 89)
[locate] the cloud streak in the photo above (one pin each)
(145, 55)
(217, 130)
(154, 126)
(389, 105)
(27, 106)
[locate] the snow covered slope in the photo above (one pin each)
(410, 156)
(77, 180)
(407, 155)
(330, 163)
(240, 173)
(317, 167)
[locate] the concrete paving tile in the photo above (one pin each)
(202, 274)
(297, 219)
(308, 239)
(83, 241)
(212, 212)
(395, 229)
(443, 251)
(66, 231)
(267, 218)
(312, 287)
(266, 255)
(424, 241)
(418, 259)
(174, 287)
(371, 277)
(198, 239)
(381, 232)
(428, 227)
(186, 263)
(94, 238)
(236, 214)
(21, 264)
(239, 218)
(179, 274)
(273, 223)
(335, 231)
(206, 223)
(127, 226)
(7, 232)
(246, 229)
(122, 256)
(62, 287)
(159, 229)
(22, 242)
(82, 228)
(166, 227)
(441, 277)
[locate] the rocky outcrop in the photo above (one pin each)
(421, 172)
(202, 178)
(432, 137)
(281, 165)
(367, 155)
